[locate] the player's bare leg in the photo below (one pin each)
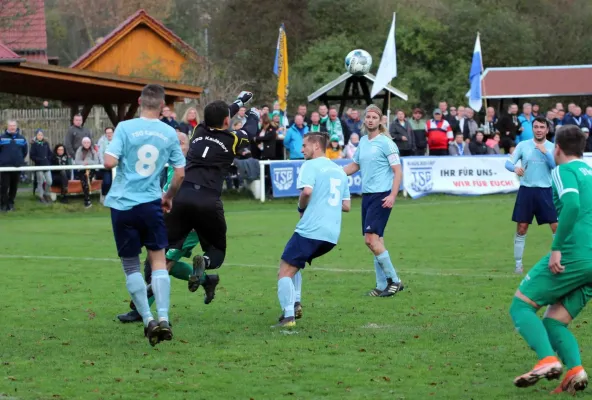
(161, 286)
(531, 328)
(556, 320)
(376, 246)
(286, 295)
(519, 243)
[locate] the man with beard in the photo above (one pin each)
(535, 197)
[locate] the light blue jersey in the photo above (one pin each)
(537, 166)
(143, 147)
(376, 158)
(322, 218)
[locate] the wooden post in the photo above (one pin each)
(120, 112)
(131, 111)
(86, 111)
(110, 114)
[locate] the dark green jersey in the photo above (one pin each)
(572, 195)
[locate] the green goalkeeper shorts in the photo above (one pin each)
(572, 287)
(190, 242)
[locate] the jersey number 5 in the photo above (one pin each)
(147, 158)
(334, 199)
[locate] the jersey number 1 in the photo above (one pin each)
(334, 199)
(147, 158)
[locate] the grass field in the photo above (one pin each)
(447, 336)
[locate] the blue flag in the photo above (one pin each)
(475, 98)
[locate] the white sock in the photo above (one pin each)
(519, 243)
(297, 280)
(286, 296)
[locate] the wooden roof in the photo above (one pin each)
(26, 33)
(82, 87)
(139, 18)
(529, 82)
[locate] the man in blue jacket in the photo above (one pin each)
(13, 150)
(295, 137)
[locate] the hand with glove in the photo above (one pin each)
(243, 98)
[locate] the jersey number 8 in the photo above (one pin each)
(147, 158)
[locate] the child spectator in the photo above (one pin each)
(41, 156)
(352, 146)
(333, 152)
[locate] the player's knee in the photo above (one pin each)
(522, 229)
(372, 241)
(216, 257)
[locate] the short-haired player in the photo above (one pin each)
(324, 196)
(140, 149)
(535, 196)
(563, 278)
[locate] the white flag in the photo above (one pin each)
(388, 64)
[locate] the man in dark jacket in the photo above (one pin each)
(75, 134)
(13, 150)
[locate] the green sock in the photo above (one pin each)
(564, 342)
(531, 328)
(203, 278)
(181, 270)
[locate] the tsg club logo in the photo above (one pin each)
(421, 172)
(283, 178)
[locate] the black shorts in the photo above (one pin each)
(200, 209)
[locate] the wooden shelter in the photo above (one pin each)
(111, 74)
(85, 89)
(355, 89)
(140, 47)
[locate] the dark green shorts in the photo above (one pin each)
(572, 287)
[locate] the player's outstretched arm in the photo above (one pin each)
(351, 168)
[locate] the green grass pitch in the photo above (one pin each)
(447, 336)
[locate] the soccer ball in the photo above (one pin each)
(358, 62)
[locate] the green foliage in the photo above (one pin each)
(434, 38)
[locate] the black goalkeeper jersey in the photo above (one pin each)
(212, 152)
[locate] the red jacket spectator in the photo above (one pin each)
(439, 134)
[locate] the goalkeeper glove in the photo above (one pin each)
(243, 98)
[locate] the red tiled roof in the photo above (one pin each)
(526, 82)
(7, 54)
(26, 29)
(134, 20)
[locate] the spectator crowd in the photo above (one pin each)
(448, 131)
